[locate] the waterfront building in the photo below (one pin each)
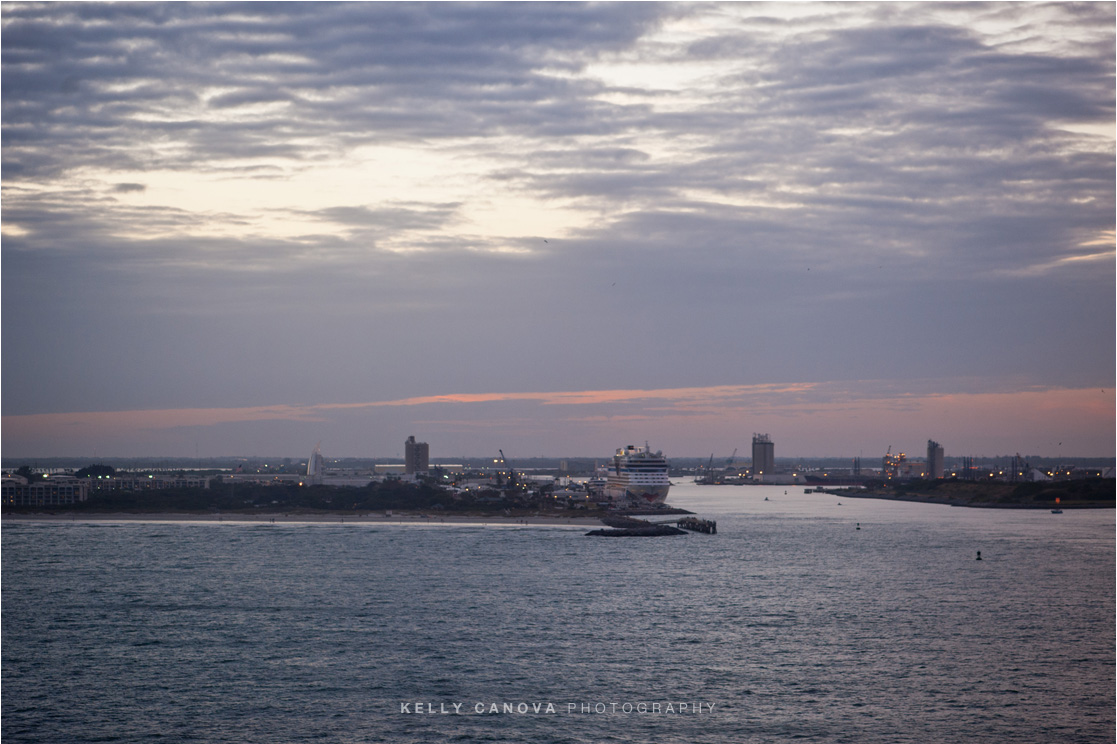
(55, 490)
(12, 489)
(935, 467)
(763, 455)
(416, 456)
(150, 482)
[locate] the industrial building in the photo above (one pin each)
(935, 467)
(763, 455)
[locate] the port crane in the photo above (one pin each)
(511, 472)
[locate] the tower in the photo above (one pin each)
(763, 454)
(935, 468)
(416, 456)
(316, 465)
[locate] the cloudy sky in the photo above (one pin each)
(555, 229)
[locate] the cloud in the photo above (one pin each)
(312, 77)
(849, 137)
(719, 398)
(810, 419)
(1103, 259)
(380, 200)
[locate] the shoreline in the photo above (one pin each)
(946, 501)
(296, 518)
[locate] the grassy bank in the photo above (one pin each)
(1070, 494)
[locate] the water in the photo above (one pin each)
(791, 623)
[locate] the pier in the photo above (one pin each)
(694, 524)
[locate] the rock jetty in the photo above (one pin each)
(625, 526)
(649, 530)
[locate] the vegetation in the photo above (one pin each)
(242, 497)
(1085, 492)
(96, 471)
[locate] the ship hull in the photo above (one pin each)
(641, 494)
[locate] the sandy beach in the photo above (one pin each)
(298, 518)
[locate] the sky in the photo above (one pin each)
(557, 229)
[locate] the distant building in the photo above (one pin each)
(763, 454)
(56, 490)
(316, 466)
(780, 479)
(13, 489)
(935, 467)
(899, 466)
(151, 482)
(416, 456)
(894, 465)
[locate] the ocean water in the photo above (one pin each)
(790, 624)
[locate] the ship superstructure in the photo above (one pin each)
(638, 474)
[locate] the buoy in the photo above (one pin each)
(979, 555)
(858, 525)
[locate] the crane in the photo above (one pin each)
(729, 462)
(511, 472)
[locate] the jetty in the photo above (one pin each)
(694, 524)
(648, 530)
(625, 526)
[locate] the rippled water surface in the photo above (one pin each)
(792, 623)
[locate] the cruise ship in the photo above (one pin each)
(638, 474)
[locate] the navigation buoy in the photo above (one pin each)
(979, 555)
(858, 525)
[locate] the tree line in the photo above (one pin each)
(241, 496)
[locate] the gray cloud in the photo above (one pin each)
(348, 72)
(889, 189)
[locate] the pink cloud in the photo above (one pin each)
(809, 418)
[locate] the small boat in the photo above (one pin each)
(1056, 511)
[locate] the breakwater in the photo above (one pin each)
(626, 526)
